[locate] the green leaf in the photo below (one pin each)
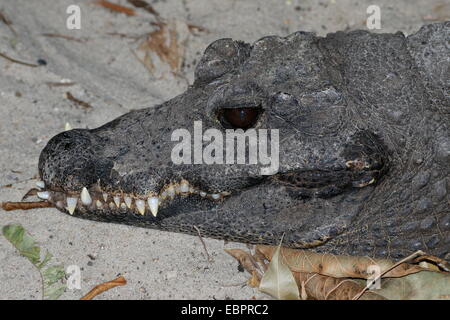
(23, 242)
(27, 247)
(278, 280)
(53, 293)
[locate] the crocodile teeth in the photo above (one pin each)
(117, 201)
(71, 204)
(40, 184)
(171, 191)
(99, 204)
(202, 194)
(43, 195)
(153, 203)
(140, 205)
(112, 206)
(105, 196)
(123, 206)
(184, 186)
(85, 197)
(215, 196)
(128, 201)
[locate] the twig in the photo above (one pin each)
(17, 61)
(9, 206)
(8, 22)
(55, 35)
(115, 7)
(408, 258)
(31, 192)
(59, 84)
(144, 5)
(120, 281)
(203, 243)
(78, 101)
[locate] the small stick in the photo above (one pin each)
(17, 61)
(203, 243)
(9, 206)
(408, 258)
(115, 7)
(59, 84)
(78, 101)
(31, 192)
(120, 281)
(55, 35)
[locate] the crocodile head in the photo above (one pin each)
(341, 133)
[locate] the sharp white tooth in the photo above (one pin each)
(123, 206)
(40, 184)
(184, 186)
(153, 203)
(170, 191)
(105, 196)
(117, 201)
(203, 194)
(215, 196)
(99, 204)
(140, 205)
(85, 197)
(43, 195)
(163, 194)
(67, 126)
(128, 201)
(192, 190)
(71, 204)
(112, 206)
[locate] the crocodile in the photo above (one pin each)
(362, 126)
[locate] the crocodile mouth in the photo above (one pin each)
(155, 206)
(94, 199)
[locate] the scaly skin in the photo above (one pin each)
(363, 122)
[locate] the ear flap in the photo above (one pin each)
(220, 57)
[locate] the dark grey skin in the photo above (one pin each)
(364, 147)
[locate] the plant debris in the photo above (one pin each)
(62, 36)
(18, 61)
(144, 5)
(115, 7)
(98, 289)
(329, 277)
(9, 206)
(162, 51)
(51, 276)
(78, 101)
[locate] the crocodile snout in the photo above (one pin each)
(72, 159)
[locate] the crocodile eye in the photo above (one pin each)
(239, 118)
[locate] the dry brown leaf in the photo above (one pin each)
(319, 287)
(120, 281)
(336, 266)
(278, 281)
(163, 50)
(245, 259)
